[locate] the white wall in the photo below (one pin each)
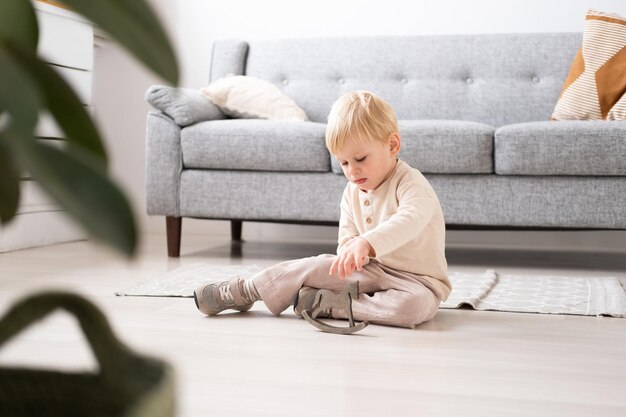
(120, 110)
(194, 24)
(202, 21)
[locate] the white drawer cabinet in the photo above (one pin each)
(64, 38)
(79, 80)
(66, 43)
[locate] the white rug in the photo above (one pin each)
(589, 296)
(592, 296)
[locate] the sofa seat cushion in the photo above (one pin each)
(257, 145)
(444, 146)
(561, 148)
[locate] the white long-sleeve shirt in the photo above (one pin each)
(403, 222)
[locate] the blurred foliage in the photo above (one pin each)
(75, 175)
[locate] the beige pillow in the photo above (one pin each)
(596, 80)
(249, 97)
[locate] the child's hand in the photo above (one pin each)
(353, 255)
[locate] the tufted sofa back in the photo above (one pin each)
(496, 79)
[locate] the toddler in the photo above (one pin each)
(391, 233)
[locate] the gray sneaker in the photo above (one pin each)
(305, 301)
(209, 300)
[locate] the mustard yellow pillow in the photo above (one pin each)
(618, 111)
(597, 79)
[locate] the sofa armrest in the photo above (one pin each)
(184, 105)
(163, 165)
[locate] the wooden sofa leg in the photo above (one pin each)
(173, 226)
(235, 230)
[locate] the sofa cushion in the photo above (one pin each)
(444, 146)
(561, 148)
(496, 79)
(254, 144)
(228, 56)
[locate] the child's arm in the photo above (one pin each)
(347, 227)
(351, 252)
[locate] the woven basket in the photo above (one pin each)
(127, 384)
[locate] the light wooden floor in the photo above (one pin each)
(462, 363)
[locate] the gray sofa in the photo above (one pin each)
(474, 115)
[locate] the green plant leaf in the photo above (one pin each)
(9, 177)
(62, 102)
(18, 24)
(19, 95)
(80, 186)
(133, 24)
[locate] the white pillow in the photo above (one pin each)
(249, 97)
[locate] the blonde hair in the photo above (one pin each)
(359, 115)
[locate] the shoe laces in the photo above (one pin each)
(225, 294)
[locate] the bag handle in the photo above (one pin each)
(112, 355)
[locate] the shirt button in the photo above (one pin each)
(368, 220)
(366, 203)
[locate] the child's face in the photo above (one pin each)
(368, 164)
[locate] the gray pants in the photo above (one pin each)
(387, 296)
